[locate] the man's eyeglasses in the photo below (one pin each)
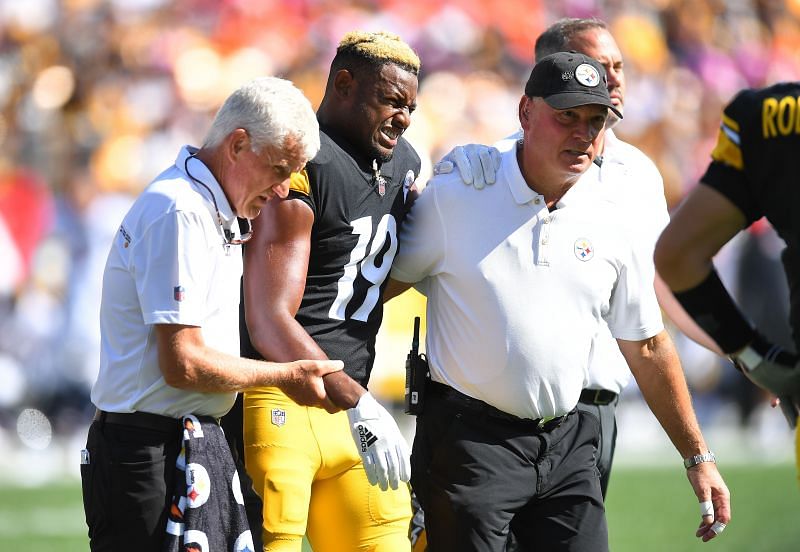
(246, 230)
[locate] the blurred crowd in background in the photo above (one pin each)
(96, 97)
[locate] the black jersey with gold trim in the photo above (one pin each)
(357, 209)
(753, 165)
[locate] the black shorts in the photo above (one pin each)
(478, 475)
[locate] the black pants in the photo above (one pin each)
(128, 485)
(477, 476)
(606, 414)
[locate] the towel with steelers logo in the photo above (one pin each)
(207, 511)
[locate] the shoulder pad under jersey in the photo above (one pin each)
(299, 183)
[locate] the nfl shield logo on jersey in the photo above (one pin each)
(278, 416)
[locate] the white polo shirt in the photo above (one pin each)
(517, 293)
(168, 265)
(629, 179)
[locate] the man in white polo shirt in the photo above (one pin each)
(170, 331)
(630, 179)
(518, 278)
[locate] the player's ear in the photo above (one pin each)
(344, 83)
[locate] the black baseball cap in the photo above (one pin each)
(569, 79)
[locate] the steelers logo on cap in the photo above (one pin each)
(587, 75)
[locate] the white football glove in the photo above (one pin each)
(477, 164)
(382, 447)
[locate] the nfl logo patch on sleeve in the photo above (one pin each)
(178, 293)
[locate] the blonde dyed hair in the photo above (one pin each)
(377, 48)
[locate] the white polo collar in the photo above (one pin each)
(521, 192)
(610, 146)
(201, 173)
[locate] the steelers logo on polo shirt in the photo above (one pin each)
(584, 250)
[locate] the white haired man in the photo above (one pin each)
(170, 365)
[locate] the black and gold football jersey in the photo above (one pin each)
(358, 206)
(752, 165)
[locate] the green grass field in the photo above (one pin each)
(650, 510)
(656, 511)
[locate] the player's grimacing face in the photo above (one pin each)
(383, 107)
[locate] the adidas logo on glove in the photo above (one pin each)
(383, 449)
(366, 437)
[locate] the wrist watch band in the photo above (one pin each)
(699, 459)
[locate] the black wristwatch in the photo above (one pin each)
(699, 459)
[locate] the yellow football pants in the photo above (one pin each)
(305, 467)
(797, 447)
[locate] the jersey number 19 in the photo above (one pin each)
(363, 261)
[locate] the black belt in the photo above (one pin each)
(141, 420)
(480, 408)
(597, 396)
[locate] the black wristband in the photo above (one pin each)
(773, 353)
(715, 312)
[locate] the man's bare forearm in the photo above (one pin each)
(187, 363)
(657, 369)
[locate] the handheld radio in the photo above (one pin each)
(416, 375)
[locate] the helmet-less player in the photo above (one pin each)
(750, 175)
(314, 277)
